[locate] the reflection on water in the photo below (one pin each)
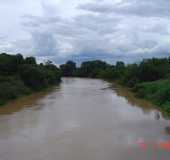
(157, 115)
(145, 105)
(83, 119)
(130, 97)
(167, 129)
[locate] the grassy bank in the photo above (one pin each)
(158, 92)
(23, 101)
(11, 88)
(14, 89)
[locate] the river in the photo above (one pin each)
(83, 119)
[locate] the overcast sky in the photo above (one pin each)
(80, 30)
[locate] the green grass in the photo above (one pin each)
(11, 87)
(158, 92)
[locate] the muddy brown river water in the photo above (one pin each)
(83, 119)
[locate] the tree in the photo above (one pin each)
(9, 63)
(30, 60)
(119, 69)
(19, 76)
(92, 68)
(153, 69)
(68, 69)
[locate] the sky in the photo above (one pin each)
(81, 30)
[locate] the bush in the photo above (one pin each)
(106, 74)
(157, 91)
(162, 96)
(11, 88)
(20, 76)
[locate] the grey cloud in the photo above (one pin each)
(96, 8)
(44, 44)
(92, 34)
(107, 29)
(82, 33)
(143, 8)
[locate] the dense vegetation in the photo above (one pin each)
(20, 76)
(150, 79)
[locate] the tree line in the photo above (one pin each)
(20, 76)
(130, 74)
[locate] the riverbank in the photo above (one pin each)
(13, 87)
(26, 101)
(19, 101)
(158, 92)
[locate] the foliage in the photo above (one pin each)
(19, 76)
(68, 69)
(157, 91)
(30, 60)
(107, 73)
(9, 63)
(11, 87)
